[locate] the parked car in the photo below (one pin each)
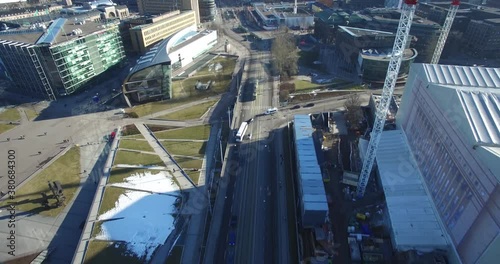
(271, 111)
(309, 105)
(295, 107)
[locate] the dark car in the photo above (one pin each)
(309, 105)
(250, 120)
(295, 107)
(234, 221)
(232, 238)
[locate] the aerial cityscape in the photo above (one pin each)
(241, 131)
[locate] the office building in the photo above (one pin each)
(150, 78)
(60, 59)
(327, 22)
(482, 38)
(271, 16)
(155, 7)
(152, 29)
(368, 52)
(450, 117)
(425, 32)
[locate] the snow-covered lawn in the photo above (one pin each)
(142, 216)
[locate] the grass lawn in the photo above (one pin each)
(135, 144)
(6, 127)
(31, 113)
(194, 176)
(301, 85)
(222, 79)
(185, 88)
(136, 158)
(118, 175)
(153, 107)
(187, 163)
(10, 114)
(175, 256)
(195, 132)
(109, 252)
(195, 149)
(66, 170)
(110, 197)
(193, 112)
(227, 63)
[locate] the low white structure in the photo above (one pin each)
(414, 223)
(312, 195)
(188, 44)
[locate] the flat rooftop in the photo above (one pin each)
(361, 32)
(59, 31)
(385, 54)
(493, 21)
(192, 38)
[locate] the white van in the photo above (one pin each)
(271, 111)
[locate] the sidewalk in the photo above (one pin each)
(79, 254)
(195, 233)
(181, 107)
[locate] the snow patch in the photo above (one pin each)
(142, 217)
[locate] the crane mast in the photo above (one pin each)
(407, 12)
(445, 31)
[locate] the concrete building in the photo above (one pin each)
(362, 4)
(208, 10)
(271, 16)
(155, 7)
(327, 22)
(313, 203)
(36, 11)
(153, 29)
(483, 38)
(150, 78)
(60, 59)
(425, 32)
(368, 52)
(450, 117)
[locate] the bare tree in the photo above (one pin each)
(285, 53)
(353, 115)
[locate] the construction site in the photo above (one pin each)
(368, 212)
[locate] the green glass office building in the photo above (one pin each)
(61, 59)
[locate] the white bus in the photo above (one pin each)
(241, 132)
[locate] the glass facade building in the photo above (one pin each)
(150, 83)
(150, 78)
(53, 63)
(78, 61)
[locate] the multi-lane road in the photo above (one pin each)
(252, 201)
(254, 223)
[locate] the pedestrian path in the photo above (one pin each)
(181, 107)
(182, 179)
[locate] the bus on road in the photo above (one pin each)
(241, 132)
